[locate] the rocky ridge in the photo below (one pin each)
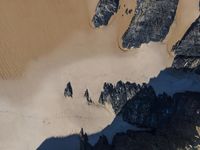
(187, 50)
(174, 122)
(104, 11)
(151, 22)
(117, 95)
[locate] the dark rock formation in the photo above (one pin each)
(118, 95)
(87, 96)
(84, 145)
(126, 11)
(68, 90)
(180, 132)
(138, 104)
(102, 143)
(187, 50)
(187, 107)
(151, 22)
(104, 11)
(130, 11)
(146, 109)
(187, 63)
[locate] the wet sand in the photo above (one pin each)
(46, 44)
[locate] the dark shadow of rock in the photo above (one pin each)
(70, 142)
(172, 81)
(176, 119)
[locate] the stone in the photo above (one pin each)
(146, 109)
(130, 11)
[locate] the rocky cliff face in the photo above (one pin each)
(151, 22)
(104, 11)
(187, 50)
(117, 95)
(174, 123)
(146, 109)
(140, 105)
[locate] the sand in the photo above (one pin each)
(45, 44)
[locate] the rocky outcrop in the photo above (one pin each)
(180, 132)
(68, 90)
(87, 96)
(84, 144)
(104, 11)
(146, 109)
(151, 22)
(139, 105)
(187, 50)
(117, 95)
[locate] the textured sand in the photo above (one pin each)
(44, 44)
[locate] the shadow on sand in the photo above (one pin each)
(180, 132)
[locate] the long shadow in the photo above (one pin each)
(175, 137)
(180, 131)
(172, 81)
(70, 142)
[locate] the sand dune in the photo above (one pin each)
(45, 44)
(30, 29)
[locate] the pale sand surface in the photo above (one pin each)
(45, 44)
(187, 12)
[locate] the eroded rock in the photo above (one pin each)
(151, 22)
(84, 144)
(104, 11)
(87, 96)
(180, 132)
(68, 90)
(187, 50)
(118, 95)
(146, 109)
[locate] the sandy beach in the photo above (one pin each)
(45, 44)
